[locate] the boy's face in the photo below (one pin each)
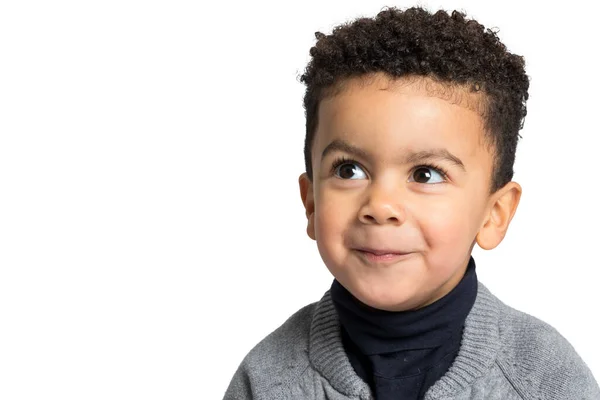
(400, 192)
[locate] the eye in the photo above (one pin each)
(425, 174)
(349, 170)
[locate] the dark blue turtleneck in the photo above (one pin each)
(401, 354)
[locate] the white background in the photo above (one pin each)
(151, 230)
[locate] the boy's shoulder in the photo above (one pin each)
(539, 361)
(277, 360)
(288, 344)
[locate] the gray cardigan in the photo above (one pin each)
(504, 355)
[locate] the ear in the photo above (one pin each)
(502, 208)
(306, 192)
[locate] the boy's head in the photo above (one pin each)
(412, 122)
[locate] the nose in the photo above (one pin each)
(383, 206)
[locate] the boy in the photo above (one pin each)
(412, 122)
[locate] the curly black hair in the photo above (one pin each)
(447, 48)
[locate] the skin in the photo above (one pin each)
(391, 229)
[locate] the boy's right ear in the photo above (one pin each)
(306, 192)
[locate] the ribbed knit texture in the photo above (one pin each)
(504, 355)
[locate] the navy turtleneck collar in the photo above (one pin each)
(404, 352)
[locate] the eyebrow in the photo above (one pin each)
(410, 158)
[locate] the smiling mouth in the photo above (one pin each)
(381, 256)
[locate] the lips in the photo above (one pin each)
(381, 256)
(381, 252)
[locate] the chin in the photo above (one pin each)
(387, 297)
(393, 305)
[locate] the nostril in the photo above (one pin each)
(370, 218)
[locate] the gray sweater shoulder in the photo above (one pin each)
(276, 361)
(539, 362)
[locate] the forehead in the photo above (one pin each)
(453, 93)
(389, 115)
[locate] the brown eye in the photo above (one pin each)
(349, 171)
(422, 175)
(427, 175)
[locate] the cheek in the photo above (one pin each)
(450, 224)
(334, 215)
(330, 225)
(330, 217)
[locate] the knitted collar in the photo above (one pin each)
(480, 343)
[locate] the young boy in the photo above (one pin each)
(412, 122)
